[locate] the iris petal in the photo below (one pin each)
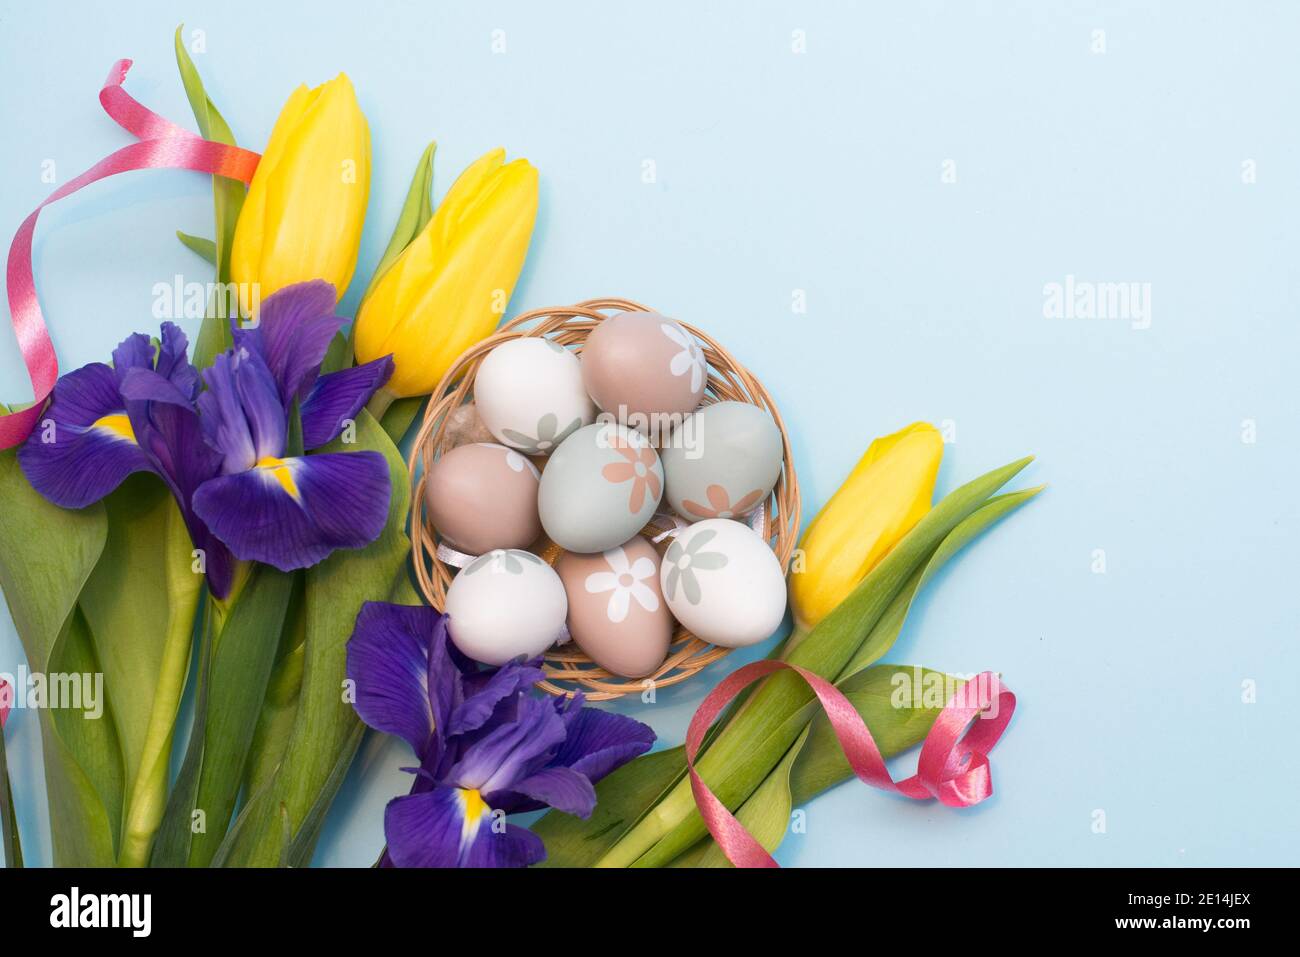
(133, 352)
(294, 330)
(168, 429)
(241, 411)
(341, 502)
(173, 363)
(446, 827)
(512, 750)
(84, 446)
(600, 741)
(387, 661)
(562, 788)
(475, 710)
(339, 396)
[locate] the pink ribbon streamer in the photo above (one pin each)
(163, 145)
(954, 765)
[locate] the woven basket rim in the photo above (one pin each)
(567, 668)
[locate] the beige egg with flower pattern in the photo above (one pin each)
(617, 613)
(640, 365)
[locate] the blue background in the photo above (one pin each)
(822, 171)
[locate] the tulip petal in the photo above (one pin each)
(292, 513)
(887, 493)
(338, 397)
(85, 446)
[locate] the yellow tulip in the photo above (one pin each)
(449, 287)
(303, 214)
(887, 493)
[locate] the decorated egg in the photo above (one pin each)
(617, 613)
(483, 496)
(723, 583)
(505, 604)
(722, 461)
(599, 488)
(639, 365)
(529, 394)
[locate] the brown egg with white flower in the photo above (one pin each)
(617, 613)
(644, 369)
(483, 496)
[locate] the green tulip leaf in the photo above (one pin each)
(621, 799)
(886, 631)
(275, 723)
(325, 732)
(416, 212)
(765, 814)
(204, 248)
(12, 844)
(227, 200)
(237, 661)
(140, 604)
(398, 417)
(894, 727)
(46, 555)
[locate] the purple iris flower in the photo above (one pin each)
(222, 451)
(290, 511)
(137, 415)
(487, 746)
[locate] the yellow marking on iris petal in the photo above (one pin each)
(281, 472)
(117, 424)
(473, 807)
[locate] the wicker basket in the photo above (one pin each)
(567, 668)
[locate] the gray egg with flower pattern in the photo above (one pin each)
(639, 365)
(483, 496)
(617, 613)
(505, 604)
(599, 488)
(723, 583)
(529, 394)
(722, 461)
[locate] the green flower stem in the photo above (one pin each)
(379, 403)
(13, 848)
(774, 716)
(148, 795)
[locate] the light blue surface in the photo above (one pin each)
(823, 171)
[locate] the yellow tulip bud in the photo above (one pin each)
(887, 493)
(303, 214)
(449, 287)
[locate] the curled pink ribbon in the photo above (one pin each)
(163, 145)
(954, 764)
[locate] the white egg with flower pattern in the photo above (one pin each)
(505, 604)
(529, 394)
(723, 583)
(617, 613)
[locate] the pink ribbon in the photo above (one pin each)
(163, 145)
(954, 765)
